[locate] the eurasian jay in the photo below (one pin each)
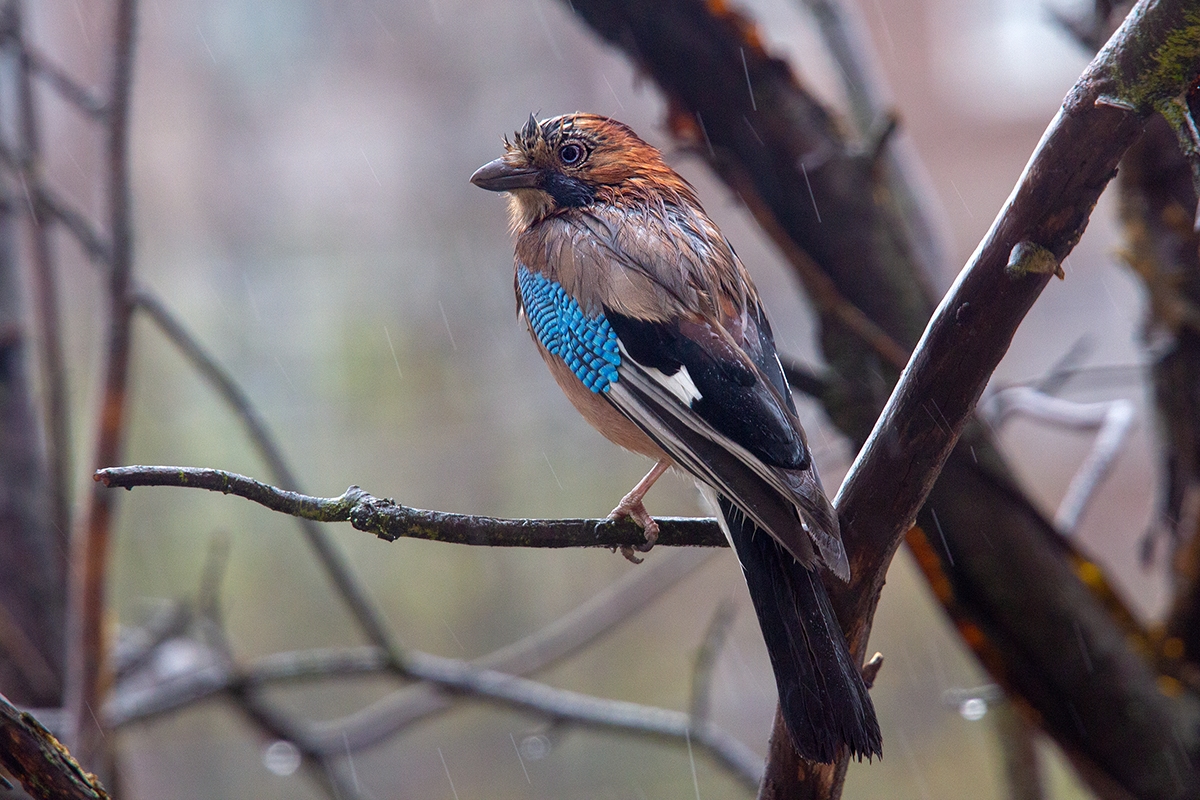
(654, 330)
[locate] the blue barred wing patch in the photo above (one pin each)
(586, 343)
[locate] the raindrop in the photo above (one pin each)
(535, 748)
(281, 758)
(973, 709)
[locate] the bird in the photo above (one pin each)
(652, 327)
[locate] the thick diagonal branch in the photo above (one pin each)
(784, 147)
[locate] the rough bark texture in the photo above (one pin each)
(43, 766)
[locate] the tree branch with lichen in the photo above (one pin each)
(390, 520)
(44, 768)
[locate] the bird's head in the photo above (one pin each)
(573, 161)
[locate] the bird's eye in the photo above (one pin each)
(570, 154)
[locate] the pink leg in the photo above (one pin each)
(631, 506)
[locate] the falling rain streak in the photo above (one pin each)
(753, 130)
(811, 196)
(552, 472)
(448, 778)
(961, 199)
(370, 167)
(350, 761)
(687, 735)
(520, 760)
(703, 130)
(749, 86)
(395, 360)
(946, 547)
(446, 321)
(614, 91)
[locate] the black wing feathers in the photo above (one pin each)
(732, 397)
(766, 358)
(821, 691)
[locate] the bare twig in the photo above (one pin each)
(614, 604)
(1111, 419)
(824, 293)
(90, 546)
(332, 561)
(34, 757)
(617, 602)
(323, 741)
(1068, 365)
(135, 647)
(848, 42)
(715, 636)
(56, 413)
(564, 706)
(57, 78)
(1018, 745)
(390, 521)
(90, 240)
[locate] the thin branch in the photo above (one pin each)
(390, 521)
(134, 648)
(94, 245)
(1068, 365)
(56, 411)
(1018, 747)
(34, 757)
(268, 716)
(843, 37)
(57, 78)
(322, 741)
(462, 677)
(616, 603)
(1111, 419)
(715, 636)
(368, 616)
(90, 545)
(849, 44)
(823, 291)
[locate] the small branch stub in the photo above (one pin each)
(870, 670)
(1028, 258)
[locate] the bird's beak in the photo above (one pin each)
(501, 176)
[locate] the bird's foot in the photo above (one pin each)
(633, 508)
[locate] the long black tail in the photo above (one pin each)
(821, 691)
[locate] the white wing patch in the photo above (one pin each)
(680, 384)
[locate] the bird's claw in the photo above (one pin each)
(635, 510)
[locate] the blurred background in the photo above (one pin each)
(301, 198)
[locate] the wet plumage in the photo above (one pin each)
(654, 331)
